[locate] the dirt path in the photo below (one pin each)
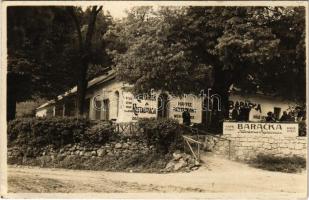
(216, 175)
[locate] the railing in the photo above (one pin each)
(200, 133)
(188, 141)
(127, 128)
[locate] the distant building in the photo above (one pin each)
(109, 99)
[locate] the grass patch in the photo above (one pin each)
(291, 164)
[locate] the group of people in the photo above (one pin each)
(286, 117)
(241, 113)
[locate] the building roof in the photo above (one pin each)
(110, 74)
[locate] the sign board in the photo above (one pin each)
(191, 103)
(134, 107)
(286, 129)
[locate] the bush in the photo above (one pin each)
(290, 164)
(38, 132)
(164, 134)
(99, 133)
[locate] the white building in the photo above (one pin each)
(109, 99)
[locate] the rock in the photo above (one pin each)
(170, 165)
(177, 156)
(191, 161)
(118, 146)
(194, 168)
(180, 164)
(186, 157)
(93, 153)
(87, 154)
(125, 145)
(101, 152)
(197, 163)
(110, 153)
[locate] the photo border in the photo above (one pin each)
(3, 90)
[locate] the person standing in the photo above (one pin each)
(235, 114)
(186, 117)
(270, 117)
(284, 117)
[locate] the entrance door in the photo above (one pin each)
(105, 109)
(163, 106)
(98, 108)
(277, 112)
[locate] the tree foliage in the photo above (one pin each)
(43, 52)
(188, 49)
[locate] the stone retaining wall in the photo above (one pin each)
(121, 148)
(245, 147)
(120, 155)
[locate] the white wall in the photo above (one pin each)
(266, 103)
(107, 91)
(41, 113)
(145, 106)
(46, 111)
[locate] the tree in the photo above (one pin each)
(185, 50)
(36, 36)
(43, 52)
(85, 44)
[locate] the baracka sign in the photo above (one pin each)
(286, 129)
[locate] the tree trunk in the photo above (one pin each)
(85, 52)
(82, 85)
(220, 87)
(11, 96)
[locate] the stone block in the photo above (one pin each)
(101, 152)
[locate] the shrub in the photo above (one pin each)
(38, 132)
(164, 134)
(99, 133)
(289, 164)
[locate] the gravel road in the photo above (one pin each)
(216, 175)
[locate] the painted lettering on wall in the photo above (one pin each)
(245, 104)
(287, 129)
(179, 105)
(260, 126)
(141, 106)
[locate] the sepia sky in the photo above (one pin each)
(117, 9)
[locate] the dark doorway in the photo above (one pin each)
(98, 108)
(105, 109)
(163, 106)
